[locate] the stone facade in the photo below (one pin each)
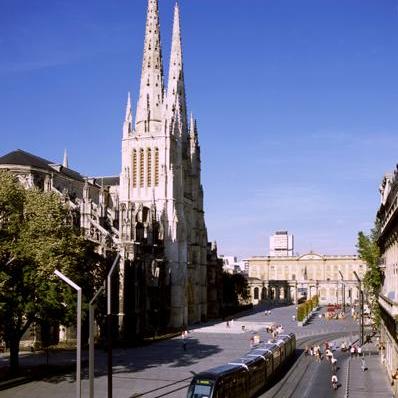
(93, 201)
(287, 279)
(152, 213)
(387, 217)
(161, 174)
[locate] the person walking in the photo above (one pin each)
(335, 382)
(333, 361)
(184, 336)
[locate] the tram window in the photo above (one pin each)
(200, 391)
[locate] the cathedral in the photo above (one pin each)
(160, 176)
(152, 214)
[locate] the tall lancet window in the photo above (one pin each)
(148, 167)
(156, 167)
(142, 165)
(134, 169)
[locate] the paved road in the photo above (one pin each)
(164, 369)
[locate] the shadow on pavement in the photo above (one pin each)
(170, 353)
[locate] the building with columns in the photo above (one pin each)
(287, 279)
(387, 218)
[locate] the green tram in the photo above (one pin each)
(246, 376)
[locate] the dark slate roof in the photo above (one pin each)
(22, 158)
(107, 181)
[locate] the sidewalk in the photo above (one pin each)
(373, 382)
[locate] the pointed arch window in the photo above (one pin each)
(148, 167)
(134, 168)
(156, 167)
(142, 165)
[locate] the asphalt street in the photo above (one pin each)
(164, 369)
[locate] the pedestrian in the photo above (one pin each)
(184, 341)
(359, 351)
(394, 377)
(333, 361)
(352, 351)
(335, 382)
(363, 364)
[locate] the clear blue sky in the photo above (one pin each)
(296, 104)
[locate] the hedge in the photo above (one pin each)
(305, 308)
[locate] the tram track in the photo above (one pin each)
(163, 393)
(289, 383)
(285, 387)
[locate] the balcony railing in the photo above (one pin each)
(389, 305)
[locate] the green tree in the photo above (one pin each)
(36, 237)
(235, 289)
(369, 252)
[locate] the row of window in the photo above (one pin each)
(145, 166)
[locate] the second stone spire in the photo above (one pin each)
(150, 102)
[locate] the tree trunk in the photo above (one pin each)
(14, 356)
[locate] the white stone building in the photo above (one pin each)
(287, 279)
(281, 243)
(161, 174)
(387, 217)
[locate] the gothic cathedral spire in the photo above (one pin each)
(150, 102)
(176, 85)
(128, 120)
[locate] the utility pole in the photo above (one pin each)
(109, 323)
(78, 331)
(91, 342)
(342, 290)
(361, 305)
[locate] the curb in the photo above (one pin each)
(4, 385)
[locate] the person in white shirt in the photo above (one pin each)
(335, 381)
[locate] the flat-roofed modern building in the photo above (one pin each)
(281, 243)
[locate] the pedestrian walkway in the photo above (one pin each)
(235, 327)
(371, 382)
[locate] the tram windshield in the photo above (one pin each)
(201, 389)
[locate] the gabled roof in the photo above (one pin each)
(20, 157)
(23, 158)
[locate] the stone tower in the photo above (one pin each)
(160, 178)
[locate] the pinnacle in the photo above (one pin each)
(150, 102)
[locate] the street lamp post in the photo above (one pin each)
(78, 332)
(109, 323)
(91, 342)
(342, 290)
(361, 305)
